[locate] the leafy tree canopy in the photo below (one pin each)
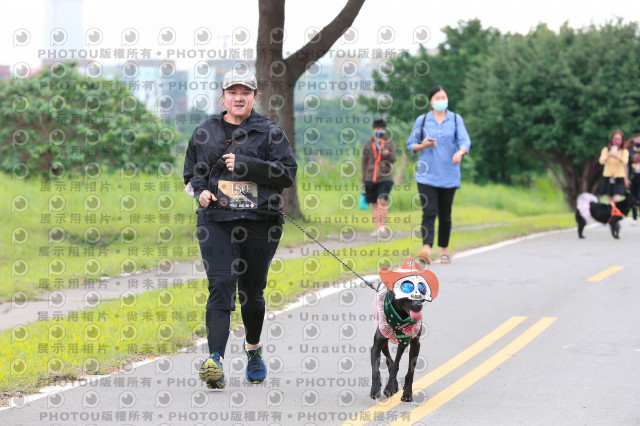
(556, 97)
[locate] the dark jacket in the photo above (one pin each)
(384, 170)
(263, 156)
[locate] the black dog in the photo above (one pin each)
(603, 213)
(398, 310)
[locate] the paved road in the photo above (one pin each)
(518, 335)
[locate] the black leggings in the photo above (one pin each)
(232, 255)
(635, 191)
(436, 202)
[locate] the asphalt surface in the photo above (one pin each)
(517, 335)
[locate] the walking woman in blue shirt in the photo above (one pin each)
(442, 141)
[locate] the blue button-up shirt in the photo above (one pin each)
(435, 164)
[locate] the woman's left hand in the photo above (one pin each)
(457, 158)
(230, 161)
(627, 183)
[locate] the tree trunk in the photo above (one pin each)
(277, 76)
(287, 124)
(591, 175)
(568, 189)
(575, 179)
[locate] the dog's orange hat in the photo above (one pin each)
(409, 268)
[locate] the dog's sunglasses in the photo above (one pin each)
(408, 287)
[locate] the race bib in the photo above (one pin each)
(237, 194)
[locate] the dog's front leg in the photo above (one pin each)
(387, 355)
(379, 342)
(615, 228)
(392, 384)
(581, 224)
(414, 350)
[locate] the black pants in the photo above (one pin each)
(635, 191)
(436, 202)
(236, 252)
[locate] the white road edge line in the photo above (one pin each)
(484, 249)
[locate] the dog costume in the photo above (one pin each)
(401, 327)
(583, 205)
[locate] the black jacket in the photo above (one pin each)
(263, 156)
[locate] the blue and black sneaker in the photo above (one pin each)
(212, 372)
(256, 369)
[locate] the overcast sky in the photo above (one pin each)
(227, 18)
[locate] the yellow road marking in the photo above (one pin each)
(446, 368)
(479, 372)
(604, 274)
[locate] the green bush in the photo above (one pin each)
(58, 122)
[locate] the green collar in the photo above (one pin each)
(396, 322)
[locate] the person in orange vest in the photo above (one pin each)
(378, 156)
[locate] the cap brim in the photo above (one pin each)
(242, 83)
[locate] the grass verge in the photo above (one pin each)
(65, 233)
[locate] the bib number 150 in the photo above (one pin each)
(239, 188)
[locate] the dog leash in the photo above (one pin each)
(370, 285)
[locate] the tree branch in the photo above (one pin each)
(300, 60)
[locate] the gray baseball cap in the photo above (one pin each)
(246, 78)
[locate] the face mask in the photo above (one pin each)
(616, 143)
(440, 105)
(379, 133)
(636, 144)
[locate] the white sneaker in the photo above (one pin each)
(374, 233)
(382, 232)
(635, 222)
